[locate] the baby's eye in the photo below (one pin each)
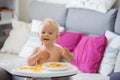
(50, 33)
(43, 32)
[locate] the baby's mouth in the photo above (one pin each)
(46, 39)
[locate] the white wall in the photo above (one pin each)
(23, 10)
(24, 5)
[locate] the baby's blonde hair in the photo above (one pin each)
(51, 23)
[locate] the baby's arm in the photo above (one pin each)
(68, 55)
(36, 55)
(33, 58)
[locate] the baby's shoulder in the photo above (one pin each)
(37, 48)
(58, 46)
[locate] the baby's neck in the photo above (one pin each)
(49, 46)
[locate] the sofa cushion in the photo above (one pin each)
(48, 10)
(117, 63)
(69, 39)
(108, 62)
(17, 38)
(33, 40)
(89, 52)
(9, 62)
(115, 76)
(111, 52)
(89, 76)
(90, 21)
(117, 23)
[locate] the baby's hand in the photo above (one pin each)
(44, 56)
(67, 54)
(66, 50)
(41, 53)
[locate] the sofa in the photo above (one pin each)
(115, 76)
(90, 22)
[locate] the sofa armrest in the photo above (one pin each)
(4, 33)
(115, 76)
(4, 75)
(2, 40)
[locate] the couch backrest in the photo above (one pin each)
(117, 23)
(89, 21)
(82, 20)
(41, 10)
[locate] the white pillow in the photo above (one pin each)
(33, 40)
(36, 26)
(98, 5)
(110, 36)
(117, 63)
(110, 55)
(17, 38)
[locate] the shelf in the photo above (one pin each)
(5, 22)
(5, 17)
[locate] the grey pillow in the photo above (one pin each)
(117, 23)
(89, 21)
(41, 10)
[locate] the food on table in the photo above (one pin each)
(54, 65)
(34, 68)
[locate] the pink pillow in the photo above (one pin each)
(69, 39)
(89, 52)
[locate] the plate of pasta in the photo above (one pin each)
(31, 68)
(56, 66)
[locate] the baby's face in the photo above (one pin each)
(48, 34)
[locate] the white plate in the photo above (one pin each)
(61, 66)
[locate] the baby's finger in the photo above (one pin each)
(65, 48)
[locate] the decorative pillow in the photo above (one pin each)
(69, 39)
(110, 36)
(98, 5)
(111, 52)
(36, 26)
(117, 63)
(33, 40)
(89, 52)
(18, 36)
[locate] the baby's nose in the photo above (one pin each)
(46, 34)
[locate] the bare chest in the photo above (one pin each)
(54, 56)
